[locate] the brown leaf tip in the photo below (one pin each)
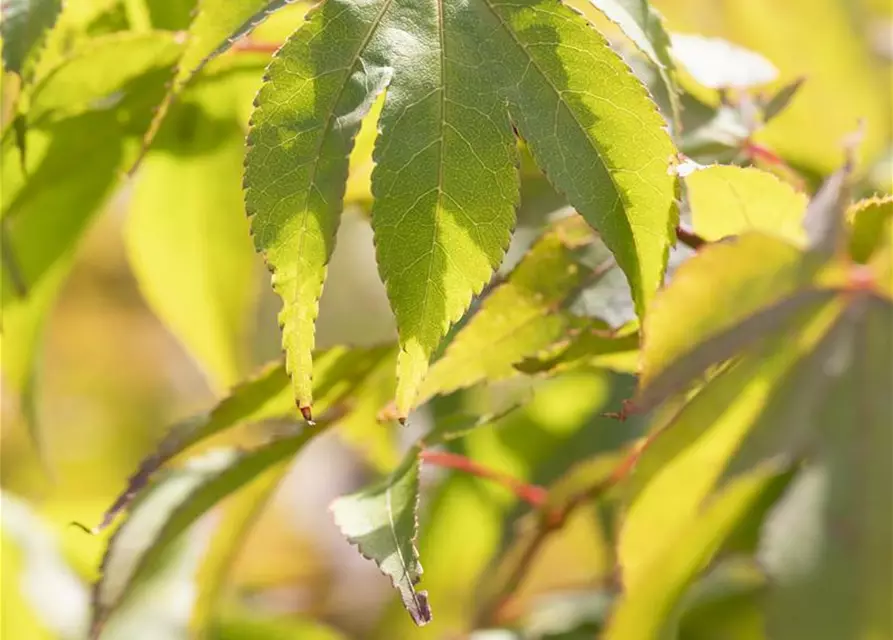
(421, 610)
(308, 415)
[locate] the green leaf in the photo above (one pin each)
(340, 371)
(729, 200)
(93, 77)
(646, 610)
(870, 222)
(302, 134)
(445, 184)
(187, 236)
(644, 26)
(716, 290)
(845, 589)
(560, 74)
(592, 346)
(171, 508)
(381, 521)
(691, 452)
(23, 27)
(518, 318)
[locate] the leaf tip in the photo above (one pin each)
(307, 414)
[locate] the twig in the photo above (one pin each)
(689, 238)
(533, 495)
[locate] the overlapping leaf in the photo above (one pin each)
(445, 183)
(872, 222)
(519, 317)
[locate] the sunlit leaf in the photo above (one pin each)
(594, 345)
(870, 223)
(187, 234)
(729, 200)
(719, 64)
(23, 27)
(382, 522)
(440, 228)
(646, 609)
(518, 318)
(720, 287)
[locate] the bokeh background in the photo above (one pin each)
(112, 376)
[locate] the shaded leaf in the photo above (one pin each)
(381, 521)
(519, 317)
(23, 27)
(647, 607)
(782, 98)
(187, 235)
(846, 587)
(729, 200)
(441, 227)
(870, 221)
(595, 345)
(173, 506)
(824, 220)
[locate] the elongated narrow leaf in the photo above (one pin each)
(169, 510)
(23, 26)
(445, 184)
(686, 460)
(303, 128)
(644, 26)
(518, 318)
(592, 129)
(872, 222)
(728, 200)
(187, 235)
(717, 289)
(645, 611)
(267, 395)
(382, 522)
(593, 345)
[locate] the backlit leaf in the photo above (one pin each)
(871, 220)
(720, 64)
(518, 318)
(445, 184)
(729, 200)
(646, 609)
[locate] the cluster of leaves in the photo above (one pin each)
(764, 358)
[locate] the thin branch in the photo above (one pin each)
(533, 495)
(689, 238)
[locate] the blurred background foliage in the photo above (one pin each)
(119, 361)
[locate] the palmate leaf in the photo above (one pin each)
(445, 184)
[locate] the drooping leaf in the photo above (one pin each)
(171, 508)
(644, 26)
(870, 221)
(382, 522)
(266, 395)
(440, 227)
(187, 235)
(729, 200)
(717, 289)
(518, 318)
(23, 26)
(595, 345)
(646, 610)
